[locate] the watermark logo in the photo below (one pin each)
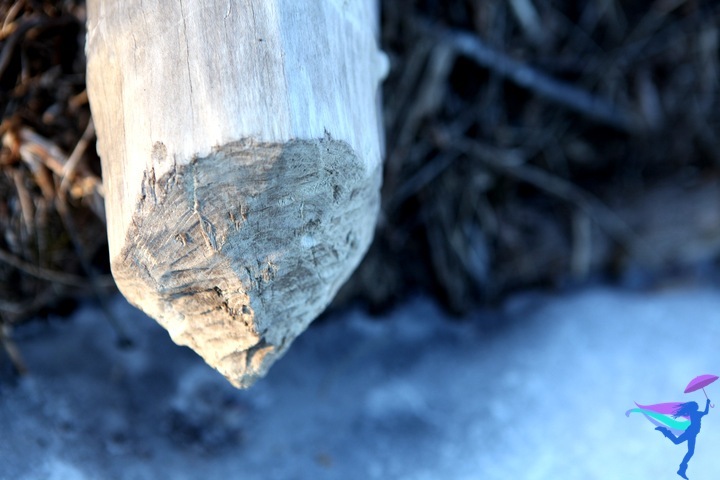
(679, 422)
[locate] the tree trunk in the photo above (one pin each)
(241, 154)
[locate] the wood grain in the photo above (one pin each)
(241, 153)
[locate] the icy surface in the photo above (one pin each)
(415, 395)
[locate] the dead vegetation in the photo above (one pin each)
(525, 137)
(51, 215)
(529, 143)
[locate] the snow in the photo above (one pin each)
(537, 389)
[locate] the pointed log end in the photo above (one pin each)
(236, 253)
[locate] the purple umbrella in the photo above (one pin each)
(701, 382)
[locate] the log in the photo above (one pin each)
(241, 154)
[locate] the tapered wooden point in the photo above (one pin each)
(241, 154)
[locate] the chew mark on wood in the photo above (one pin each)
(255, 126)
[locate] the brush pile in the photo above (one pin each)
(52, 235)
(529, 143)
(546, 143)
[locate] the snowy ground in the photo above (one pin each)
(412, 396)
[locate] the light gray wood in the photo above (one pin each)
(241, 153)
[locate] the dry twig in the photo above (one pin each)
(563, 93)
(50, 275)
(513, 164)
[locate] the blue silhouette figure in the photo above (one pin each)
(691, 410)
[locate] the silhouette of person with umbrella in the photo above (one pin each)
(692, 411)
(679, 422)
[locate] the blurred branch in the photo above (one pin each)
(574, 98)
(11, 349)
(50, 275)
(511, 163)
(14, 39)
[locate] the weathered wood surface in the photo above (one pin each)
(241, 154)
